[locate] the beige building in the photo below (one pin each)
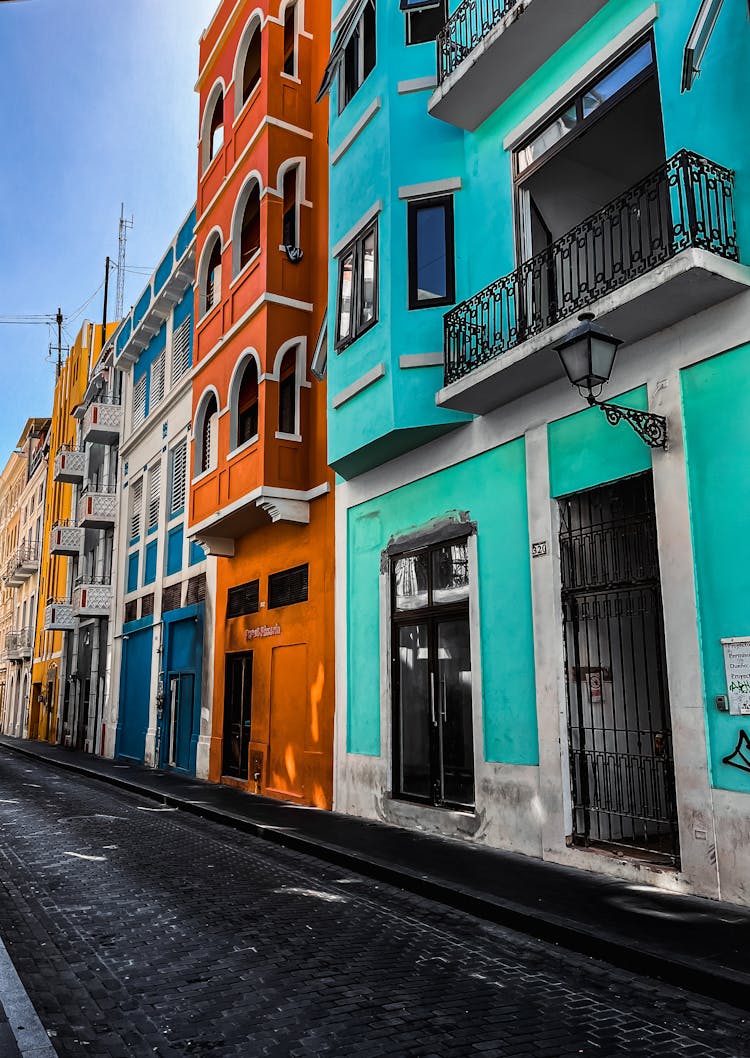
(22, 491)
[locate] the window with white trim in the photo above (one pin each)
(139, 401)
(181, 351)
(156, 395)
(136, 507)
(289, 233)
(357, 304)
(288, 393)
(152, 507)
(290, 40)
(206, 453)
(252, 65)
(177, 482)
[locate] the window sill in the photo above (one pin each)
(247, 104)
(290, 77)
(245, 271)
(288, 437)
(203, 474)
(243, 447)
(213, 162)
(208, 314)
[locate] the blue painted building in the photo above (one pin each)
(162, 644)
(541, 625)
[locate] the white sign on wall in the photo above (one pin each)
(737, 667)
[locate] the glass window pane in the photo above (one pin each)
(367, 299)
(410, 580)
(617, 79)
(345, 296)
(455, 709)
(450, 573)
(431, 254)
(414, 711)
(547, 138)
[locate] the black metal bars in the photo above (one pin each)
(467, 26)
(685, 203)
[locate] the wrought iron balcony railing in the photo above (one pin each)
(468, 25)
(684, 204)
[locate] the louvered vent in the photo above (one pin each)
(287, 587)
(243, 599)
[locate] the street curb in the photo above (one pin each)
(726, 986)
(24, 1023)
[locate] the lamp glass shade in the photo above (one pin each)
(575, 360)
(602, 357)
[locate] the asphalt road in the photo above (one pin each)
(139, 931)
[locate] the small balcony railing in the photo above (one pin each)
(66, 539)
(70, 464)
(97, 507)
(19, 644)
(466, 28)
(684, 204)
(92, 596)
(22, 563)
(58, 616)
(102, 421)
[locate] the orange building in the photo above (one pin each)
(261, 493)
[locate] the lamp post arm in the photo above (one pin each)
(652, 429)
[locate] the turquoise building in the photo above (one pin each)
(163, 646)
(543, 631)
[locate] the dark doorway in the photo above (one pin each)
(619, 728)
(238, 694)
(432, 714)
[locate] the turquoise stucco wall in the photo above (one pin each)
(717, 438)
(492, 489)
(585, 451)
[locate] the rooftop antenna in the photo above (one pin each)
(120, 295)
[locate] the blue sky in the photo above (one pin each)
(97, 107)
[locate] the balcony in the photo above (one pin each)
(21, 565)
(489, 48)
(70, 465)
(659, 253)
(102, 421)
(92, 597)
(19, 644)
(97, 507)
(58, 616)
(66, 539)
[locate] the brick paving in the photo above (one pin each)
(138, 930)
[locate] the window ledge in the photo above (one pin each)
(290, 77)
(207, 315)
(213, 161)
(243, 447)
(247, 104)
(288, 436)
(203, 474)
(248, 268)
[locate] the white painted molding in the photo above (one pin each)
(363, 221)
(431, 187)
(338, 153)
(409, 360)
(371, 376)
(416, 84)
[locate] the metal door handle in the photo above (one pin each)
(443, 700)
(432, 698)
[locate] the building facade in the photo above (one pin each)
(72, 663)
(540, 618)
(22, 507)
(163, 627)
(260, 490)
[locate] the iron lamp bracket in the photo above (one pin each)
(652, 429)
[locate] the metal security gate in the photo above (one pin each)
(619, 729)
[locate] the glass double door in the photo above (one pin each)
(238, 696)
(433, 729)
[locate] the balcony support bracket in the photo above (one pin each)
(652, 429)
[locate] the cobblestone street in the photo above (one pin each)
(138, 931)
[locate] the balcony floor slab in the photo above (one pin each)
(692, 281)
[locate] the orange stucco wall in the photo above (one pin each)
(271, 303)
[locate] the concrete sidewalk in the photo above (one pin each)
(686, 941)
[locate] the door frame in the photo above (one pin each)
(229, 657)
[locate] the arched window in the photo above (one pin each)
(210, 280)
(288, 393)
(250, 55)
(250, 227)
(206, 435)
(216, 128)
(290, 232)
(290, 40)
(247, 403)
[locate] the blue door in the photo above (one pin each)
(135, 687)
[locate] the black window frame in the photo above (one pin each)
(281, 581)
(356, 248)
(413, 9)
(413, 207)
(243, 599)
(357, 54)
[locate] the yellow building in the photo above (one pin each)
(60, 536)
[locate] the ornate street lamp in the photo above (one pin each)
(588, 355)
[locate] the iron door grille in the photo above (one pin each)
(619, 728)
